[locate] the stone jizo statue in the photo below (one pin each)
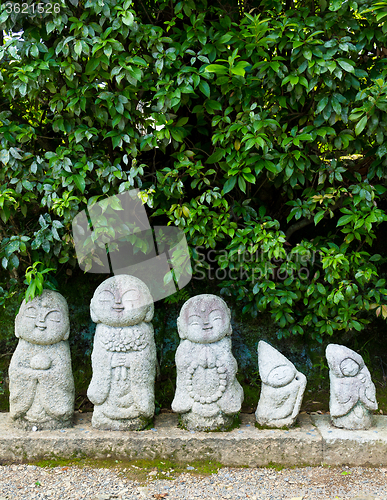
(124, 355)
(208, 394)
(352, 393)
(282, 388)
(41, 383)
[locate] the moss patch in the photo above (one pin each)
(139, 470)
(273, 465)
(266, 427)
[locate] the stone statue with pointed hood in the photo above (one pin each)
(352, 393)
(124, 355)
(208, 394)
(41, 383)
(282, 388)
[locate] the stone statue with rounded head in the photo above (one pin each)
(124, 355)
(352, 393)
(41, 383)
(282, 388)
(208, 394)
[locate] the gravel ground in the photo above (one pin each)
(30, 482)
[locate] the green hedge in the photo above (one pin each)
(259, 128)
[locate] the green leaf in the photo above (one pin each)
(336, 105)
(30, 292)
(4, 15)
(182, 121)
(242, 184)
(335, 5)
(345, 65)
(225, 38)
(307, 54)
(318, 217)
(238, 70)
(216, 156)
(116, 141)
(79, 181)
(91, 65)
(50, 26)
(4, 156)
(51, 87)
(139, 60)
(11, 247)
(205, 88)
(78, 48)
(116, 120)
(361, 125)
(321, 289)
(345, 219)
(356, 116)
(249, 178)
(27, 185)
(128, 18)
(34, 51)
(270, 166)
(321, 105)
(229, 184)
(176, 135)
(214, 105)
(216, 68)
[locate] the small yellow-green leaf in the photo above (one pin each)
(216, 68)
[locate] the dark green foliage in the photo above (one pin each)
(259, 128)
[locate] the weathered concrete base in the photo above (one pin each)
(360, 447)
(49, 424)
(100, 421)
(312, 442)
(194, 422)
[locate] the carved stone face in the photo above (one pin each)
(204, 319)
(349, 367)
(121, 301)
(343, 362)
(281, 376)
(43, 320)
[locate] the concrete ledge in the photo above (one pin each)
(312, 442)
(341, 446)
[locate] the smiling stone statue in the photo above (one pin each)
(282, 388)
(352, 393)
(41, 383)
(124, 355)
(208, 394)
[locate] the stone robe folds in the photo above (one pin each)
(352, 396)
